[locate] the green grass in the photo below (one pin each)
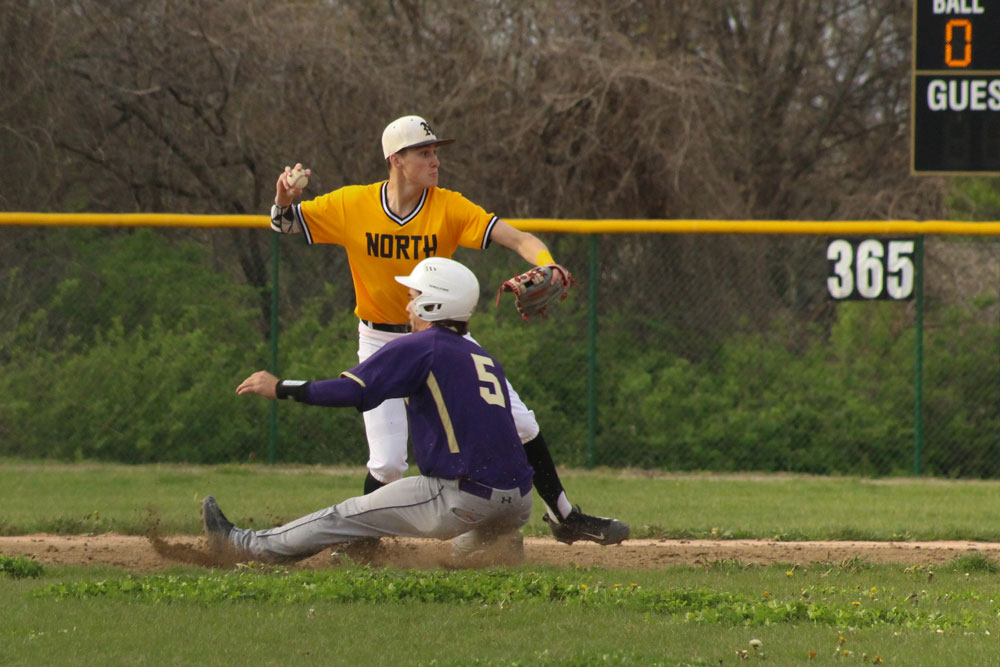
(68, 499)
(82, 499)
(878, 614)
(678, 616)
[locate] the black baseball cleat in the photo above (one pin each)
(215, 524)
(580, 526)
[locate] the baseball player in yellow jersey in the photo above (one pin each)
(386, 229)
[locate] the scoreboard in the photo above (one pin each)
(955, 111)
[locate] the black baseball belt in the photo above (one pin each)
(388, 328)
(485, 492)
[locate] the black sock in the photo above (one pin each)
(372, 484)
(546, 478)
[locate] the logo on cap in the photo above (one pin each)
(409, 132)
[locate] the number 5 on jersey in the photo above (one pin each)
(492, 394)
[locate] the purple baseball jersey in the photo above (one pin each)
(457, 404)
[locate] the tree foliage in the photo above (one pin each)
(739, 109)
(640, 109)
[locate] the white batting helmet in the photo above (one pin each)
(448, 290)
(409, 132)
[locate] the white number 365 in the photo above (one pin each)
(871, 269)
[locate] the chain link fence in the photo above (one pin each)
(682, 352)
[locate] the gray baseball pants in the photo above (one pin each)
(410, 507)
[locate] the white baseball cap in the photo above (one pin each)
(409, 132)
(448, 290)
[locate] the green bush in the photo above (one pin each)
(962, 398)
(132, 353)
(149, 377)
(839, 404)
(317, 345)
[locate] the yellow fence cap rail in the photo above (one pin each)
(607, 226)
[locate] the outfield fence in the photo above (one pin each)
(850, 347)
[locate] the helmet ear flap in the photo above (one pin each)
(426, 308)
(448, 290)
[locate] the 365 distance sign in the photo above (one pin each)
(871, 269)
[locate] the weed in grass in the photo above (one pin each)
(721, 534)
(791, 536)
(854, 564)
(920, 572)
(974, 562)
(849, 534)
(727, 565)
(545, 658)
(91, 523)
(657, 531)
(20, 567)
(262, 568)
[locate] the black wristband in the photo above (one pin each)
(292, 389)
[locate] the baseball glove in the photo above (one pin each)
(537, 289)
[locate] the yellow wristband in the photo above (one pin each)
(544, 257)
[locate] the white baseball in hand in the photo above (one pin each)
(297, 178)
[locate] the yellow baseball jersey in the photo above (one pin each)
(381, 245)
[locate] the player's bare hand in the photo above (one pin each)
(262, 383)
(560, 273)
(285, 190)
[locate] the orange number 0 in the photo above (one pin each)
(949, 58)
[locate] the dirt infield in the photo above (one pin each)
(142, 554)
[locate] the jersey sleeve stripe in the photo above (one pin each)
(489, 231)
(297, 210)
(351, 376)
